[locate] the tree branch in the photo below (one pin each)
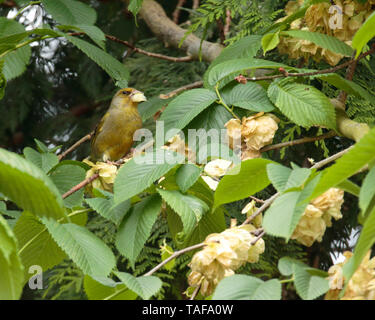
(171, 34)
(76, 145)
(176, 12)
(80, 185)
(141, 51)
(174, 256)
(189, 86)
(327, 135)
(318, 165)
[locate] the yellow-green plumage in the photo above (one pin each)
(113, 136)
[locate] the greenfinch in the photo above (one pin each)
(113, 136)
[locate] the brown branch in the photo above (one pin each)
(76, 145)
(256, 199)
(318, 165)
(265, 205)
(258, 237)
(141, 51)
(195, 293)
(9, 4)
(195, 4)
(149, 54)
(174, 256)
(189, 86)
(176, 12)
(285, 74)
(80, 185)
(228, 21)
(327, 135)
(336, 156)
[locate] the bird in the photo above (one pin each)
(113, 136)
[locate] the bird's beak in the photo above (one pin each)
(137, 96)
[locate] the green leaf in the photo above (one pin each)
(303, 104)
(309, 286)
(140, 172)
(270, 41)
(187, 175)
(190, 208)
(361, 154)
(310, 283)
(135, 6)
(148, 108)
(65, 177)
(93, 32)
(216, 151)
(3, 80)
(214, 117)
(250, 96)
(364, 34)
(322, 40)
(234, 67)
(350, 187)
(30, 188)
(107, 208)
(115, 69)
(145, 287)
(243, 287)
(185, 108)
(70, 12)
(42, 148)
(346, 85)
(44, 161)
(210, 223)
(246, 47)
(367, 193)
(11, 268)
(36, 246)
(136, 227)
(278, 175)
(284, 178)
(251, 175)
(284, 214)
(14, 62)
(365, 242)
(89, 252)
(106, 289)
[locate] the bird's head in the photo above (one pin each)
(128, 96)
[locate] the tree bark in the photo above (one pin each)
(171, 34)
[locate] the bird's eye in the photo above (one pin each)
(126, 92)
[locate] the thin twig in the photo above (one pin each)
(189, 86)
(329, 134)
(76, 145)
(141, 51)
(265, 205)
(285, 74)
(257, 238)
(336, 156)
(195, 293)
(228, 21)
(318, 165)
(256, 199)
(80, 185)
(174, 256)
(150, 54)
(349, 76)
(176, 12)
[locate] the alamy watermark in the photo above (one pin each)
(202, 144)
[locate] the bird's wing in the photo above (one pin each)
(98, 129)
